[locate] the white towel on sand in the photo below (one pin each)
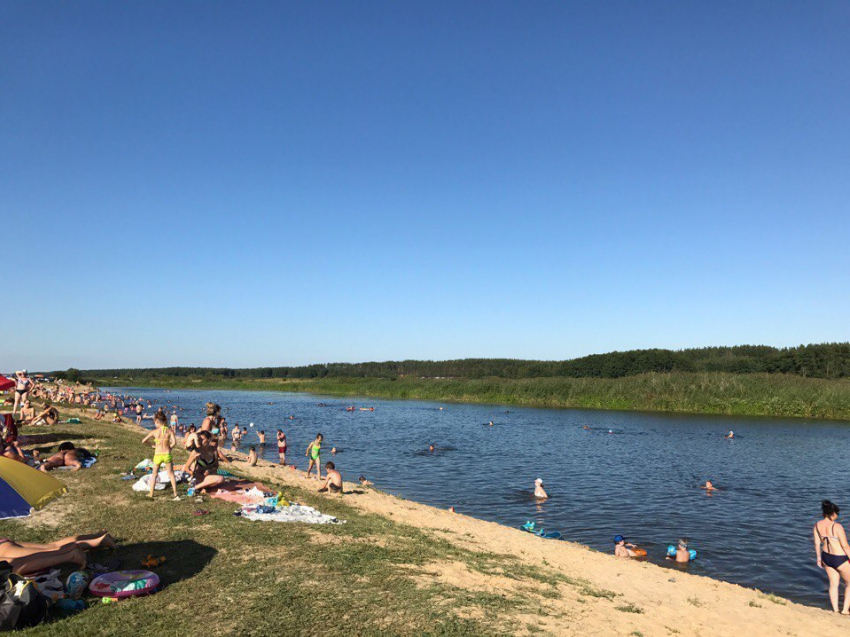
(292, 513)
(144, 483)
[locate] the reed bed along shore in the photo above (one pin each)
(699, 393)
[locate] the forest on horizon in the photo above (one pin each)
(825, 360)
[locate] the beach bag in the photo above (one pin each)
(21, 605)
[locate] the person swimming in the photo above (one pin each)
(708, 486)
(539, 491)
(832, 551)
(430, 447)
(729, 435)
(683, 555)
(625, 549)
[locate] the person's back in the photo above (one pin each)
(683, 555)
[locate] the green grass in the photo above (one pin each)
(703, 392)
(366, 577)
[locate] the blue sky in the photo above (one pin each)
(222, 183)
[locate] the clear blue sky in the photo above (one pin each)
(242, 184)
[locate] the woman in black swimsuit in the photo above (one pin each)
(23, 385)
(205, 463)
(832, 550)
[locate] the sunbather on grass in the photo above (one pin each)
(26, 558)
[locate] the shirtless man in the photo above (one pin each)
(139, 413)
(333, 479)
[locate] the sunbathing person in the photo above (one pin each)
(333, 479)
(26, 558)
(67, 456)
(205, 460)
(47, 417)
(28, 411)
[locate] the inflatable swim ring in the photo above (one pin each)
(120, 584)
(671, 552)
(639, 552)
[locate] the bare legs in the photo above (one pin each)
(835, 577)
(209, 482)
(154, 476)
(25, 557)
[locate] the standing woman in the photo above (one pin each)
(212, 421)
(23, 385)
(832, 551)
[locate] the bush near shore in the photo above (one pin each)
(703, 392)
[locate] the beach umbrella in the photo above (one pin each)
(5, 383)
(24, 489)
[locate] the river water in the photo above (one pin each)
(631, 473)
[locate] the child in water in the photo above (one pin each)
(623, 548)
(333, 482)
(164, 440)
(314, 452)
(281, 447)
(539, 491)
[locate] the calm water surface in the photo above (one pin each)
(641, 481)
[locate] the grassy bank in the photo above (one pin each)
(233, 576)
(708, 393)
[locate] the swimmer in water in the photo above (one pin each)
(586, 428)
(333, 451)
(708, 486)
(730, 435)
(623, 548)
(683, 555)
(430, 447)
(539, 491)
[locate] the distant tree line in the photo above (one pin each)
(827, 360)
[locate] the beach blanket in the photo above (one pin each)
(291, 513)
(162, 480)
(241, 492)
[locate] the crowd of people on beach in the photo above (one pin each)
(205, 446)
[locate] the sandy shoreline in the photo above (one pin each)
(647, 599)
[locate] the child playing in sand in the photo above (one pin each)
(333, 481)
(164, 440)
(314, 452)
